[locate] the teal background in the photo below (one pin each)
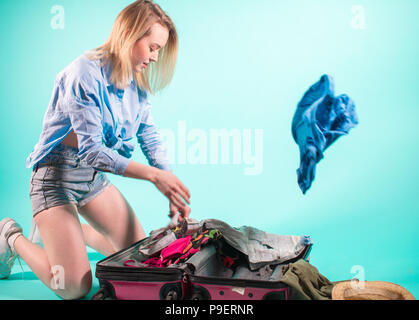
(245, 65)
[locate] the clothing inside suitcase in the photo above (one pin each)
(205, 263)
(216, 263)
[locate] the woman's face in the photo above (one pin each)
(146, 50)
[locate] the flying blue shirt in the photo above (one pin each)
(320, 120)
(104, 118)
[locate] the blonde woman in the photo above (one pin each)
(99, 104)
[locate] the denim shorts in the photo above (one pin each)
(62, 178)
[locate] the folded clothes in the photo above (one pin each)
(320, 119)
(260, 248)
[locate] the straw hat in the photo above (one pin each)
(370, 290)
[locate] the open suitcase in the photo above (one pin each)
(205, 275)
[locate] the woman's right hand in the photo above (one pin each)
(165, 181)
(172, 188)
(183, 212)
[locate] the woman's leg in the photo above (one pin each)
(63, 265)
(91, 237)
(113, 218)
(97, 241)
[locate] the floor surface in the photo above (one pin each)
(27, 286)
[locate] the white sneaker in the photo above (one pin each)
(34, 235)
(8, 228)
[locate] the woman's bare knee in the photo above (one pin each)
(75, 287)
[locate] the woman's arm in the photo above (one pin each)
(155, 152)
(165, 181)
(84, 109)
(151, 142)
(140, 171)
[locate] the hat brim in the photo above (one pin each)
(370, 290)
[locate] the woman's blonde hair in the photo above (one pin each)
(131, 25)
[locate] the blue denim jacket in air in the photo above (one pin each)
(104, 118)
